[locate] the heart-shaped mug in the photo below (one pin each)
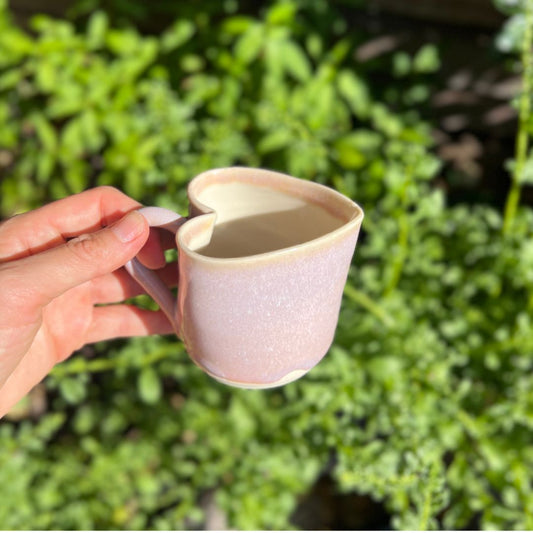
(262, 262)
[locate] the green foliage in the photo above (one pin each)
(424, 401)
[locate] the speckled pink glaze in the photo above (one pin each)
(262, 320)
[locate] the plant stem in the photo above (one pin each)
(425, 514)
(403, 235)
(399, 259)
(522, 137)
(367, 303)
(82, 366)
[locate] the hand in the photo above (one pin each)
(56, 264)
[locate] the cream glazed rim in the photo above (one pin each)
(208, 215)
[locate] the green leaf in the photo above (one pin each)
(249, 45)
(192, 63)
(45, 132)
(73, 390)
(355, 92)
(509, 7)
(242, 418)
(72, 143)
(41, 23)
(14, 45)
(295, 61)
(67, 100)
(385, 121)
(426, 59)
(237, 25)
(10, 78)
(348, 154)
(275, 140)
(314, 45)
(512, 35)
(96, 30)
(45, 166)
(84, 420)
(339, 52)
(123, 42)
(401, 64)
(148, 146)
(365, 140)
(274, 61)
(46, 76)
(282, 13)
(90, 130)
(526, 176)
(177, 35)
(149, 385)
(76, 177)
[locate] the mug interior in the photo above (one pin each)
(259, 211)
(253, 220)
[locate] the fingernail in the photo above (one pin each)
(129, 227)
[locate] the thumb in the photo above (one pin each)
(51, 273)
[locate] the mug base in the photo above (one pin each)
(287, 378)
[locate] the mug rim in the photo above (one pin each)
(207, 215)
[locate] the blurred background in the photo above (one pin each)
(420, 415)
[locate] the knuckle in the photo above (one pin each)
(8, 222)
(16, 291)
(10, 242)
(8, 281)
(108, 190)
(86, 248)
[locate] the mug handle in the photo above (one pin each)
(157, 217)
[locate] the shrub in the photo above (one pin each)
(424, 400)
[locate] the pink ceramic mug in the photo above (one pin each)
(263, 259)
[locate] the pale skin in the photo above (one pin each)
(57, 264)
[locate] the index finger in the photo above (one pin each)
(54, 223)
